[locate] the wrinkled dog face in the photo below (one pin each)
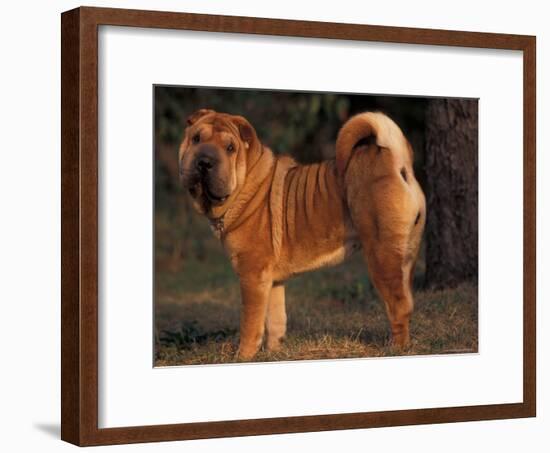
(212, 157)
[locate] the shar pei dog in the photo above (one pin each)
(277, 218)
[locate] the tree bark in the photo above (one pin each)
(452, 192)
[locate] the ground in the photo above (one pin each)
(332, 313)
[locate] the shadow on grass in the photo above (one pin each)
(190, 334)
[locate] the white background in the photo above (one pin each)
(30, 229)
(194, 394)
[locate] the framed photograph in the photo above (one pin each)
(275, 226)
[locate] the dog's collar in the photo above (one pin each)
(217, 226)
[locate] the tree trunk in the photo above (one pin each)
(452, 192)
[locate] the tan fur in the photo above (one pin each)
(275, 320)
(283, 219)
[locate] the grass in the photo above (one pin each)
(332, 313)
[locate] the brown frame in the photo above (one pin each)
(79, 251)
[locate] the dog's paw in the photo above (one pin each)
(275, 344)
(400, 342)
(244, 354)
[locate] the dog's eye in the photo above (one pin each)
(196, 138)
(230, 148)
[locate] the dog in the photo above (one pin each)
(277, 218)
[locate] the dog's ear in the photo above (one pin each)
(195, 116)
(246, 131)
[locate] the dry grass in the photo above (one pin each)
(332, 313)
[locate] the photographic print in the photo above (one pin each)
(308, 225)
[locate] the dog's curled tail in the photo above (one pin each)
(362, 129)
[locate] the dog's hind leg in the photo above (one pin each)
(391, 276)
(276, 317)
(385, 213)
(391, 251)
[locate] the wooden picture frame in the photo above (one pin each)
(79, 166)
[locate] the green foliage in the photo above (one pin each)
(285, 121)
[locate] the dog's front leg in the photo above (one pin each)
(255, 296)
(276, 317)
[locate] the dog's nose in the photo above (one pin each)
(206, 159)
(204, 163)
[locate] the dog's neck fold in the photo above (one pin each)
(248, 198)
